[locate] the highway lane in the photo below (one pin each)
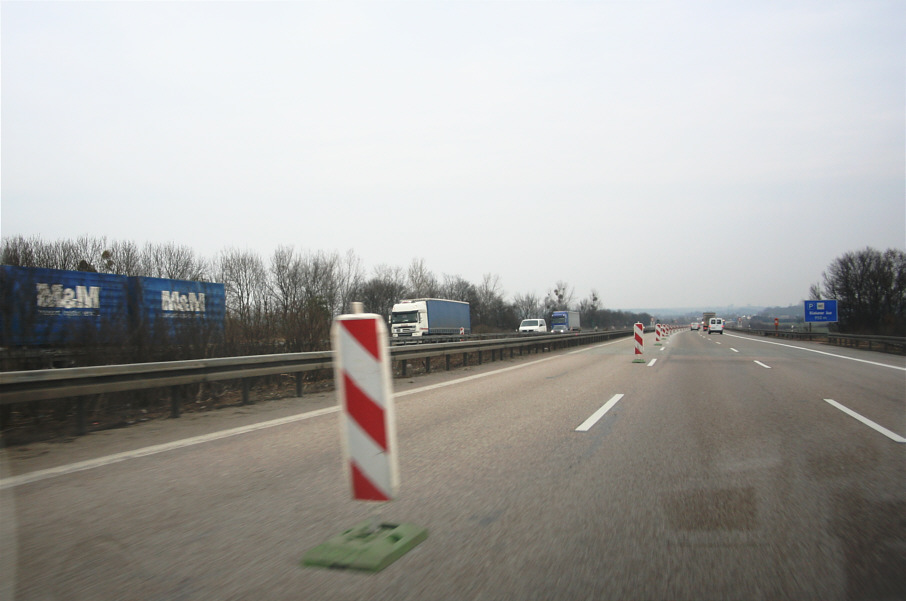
(711, 477)
(869, 383)
(831, 469)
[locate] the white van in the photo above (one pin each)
(533, 325)
(715, 324)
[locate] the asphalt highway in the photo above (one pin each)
(722, 467)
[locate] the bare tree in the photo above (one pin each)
(243, 276)
(123, 258)
(286, 284)
(385, 288)
(455, 287)
(489, 306)
(422, 283)
(20, 251)
(173, 261)
(588, 310)
(90, 252)
(814, 291)
(560, 298)
(527, 306)
(350, 278)
(321, 286)
(291, 290)
(62, 254)
(308, 290)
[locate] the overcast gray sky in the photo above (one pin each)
(664, 153)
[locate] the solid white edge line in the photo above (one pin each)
(597, 415)
(155, 449)
(763, 365)
(801, 348)
(891, 435)
(80, 466)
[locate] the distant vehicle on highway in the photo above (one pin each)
(533, 325)
(695, 325)
(705, 319)
(559, 329)
(430, 317)
(570, 319)
(715, 324)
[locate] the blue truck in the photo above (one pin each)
(565, 321)
(429, 317)
(53, 307)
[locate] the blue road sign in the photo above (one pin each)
(821, 310)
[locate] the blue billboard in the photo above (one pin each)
(821, 311)
(56, 307)
(53, 307)
(174, 308)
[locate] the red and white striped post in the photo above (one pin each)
(368, 424)
(639, 342)
(368, 429)
(658, 333)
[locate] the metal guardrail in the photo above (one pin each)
(884, 344)
(79, 382)
(522, 343)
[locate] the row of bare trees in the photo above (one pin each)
(87, 253)
(286, 303)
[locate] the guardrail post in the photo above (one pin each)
(174, 401)
(81, 429)
(245, 391)
(427, 365)
(404, 367)
(447, 357)
(299, 377)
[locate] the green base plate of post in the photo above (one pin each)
(366, 547)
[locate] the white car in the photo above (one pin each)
(715, 324)
(533, 325)
(695, 325)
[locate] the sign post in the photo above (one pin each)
(368, 429)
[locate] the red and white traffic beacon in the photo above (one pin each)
(638, 331)
(363, 383)
(368, 429)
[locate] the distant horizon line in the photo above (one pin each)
(701, 308)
